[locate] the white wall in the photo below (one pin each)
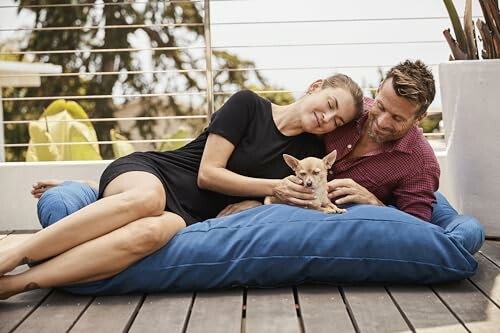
(18, 207)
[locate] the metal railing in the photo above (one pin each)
(209, 94)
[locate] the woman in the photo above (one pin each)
(145, 198)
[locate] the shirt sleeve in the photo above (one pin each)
(415, 194)
(232, 119)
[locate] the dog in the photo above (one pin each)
(313, 172)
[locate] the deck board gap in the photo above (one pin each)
(188, 314)
(349, 310)
(489, 259)
(244, 311)
(32, 310)
(405, 317)
(450, 309)
(134, 313)
(81, 314)
(298, 309)
(484, 293)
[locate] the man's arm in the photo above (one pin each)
(415, 194)
(347, 191)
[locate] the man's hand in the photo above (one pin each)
(291, 191)
(238, 207)
(348, 191)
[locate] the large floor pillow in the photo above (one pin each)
(279, 245)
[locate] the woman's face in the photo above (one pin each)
(324, 110)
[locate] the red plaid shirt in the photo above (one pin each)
(404, 172)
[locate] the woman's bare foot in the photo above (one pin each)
(9, 261)
(42, 186)
(5, 288)
(9, 286)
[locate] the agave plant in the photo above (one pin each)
(465, 45)
(64, 122)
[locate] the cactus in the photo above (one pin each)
(465, 45)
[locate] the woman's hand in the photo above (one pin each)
(238, 207)
(291, 191)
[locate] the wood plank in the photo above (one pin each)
(491, 249)
(373, 309)
(163, 312)
(323, 309)
(474, 309)
(271, 310)
(219, 311)
(56, 314)
(424, 309)
(487, 278)
(108, 314)
(14, 310)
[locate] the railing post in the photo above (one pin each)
(208, 60)
(2, 135)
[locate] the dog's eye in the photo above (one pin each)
(302, 173)
(315, 172)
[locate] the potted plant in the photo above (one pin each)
(470, 86)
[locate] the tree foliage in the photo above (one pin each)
(96, 43)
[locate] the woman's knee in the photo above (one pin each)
(140, 192)
(143, 202)
(150, 234)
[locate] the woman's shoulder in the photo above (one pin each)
(245, 102)
(246, 95)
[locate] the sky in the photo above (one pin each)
(359, 22)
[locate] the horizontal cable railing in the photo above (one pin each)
(204, 97)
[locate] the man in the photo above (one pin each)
(383, 157)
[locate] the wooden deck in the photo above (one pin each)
(471, 305)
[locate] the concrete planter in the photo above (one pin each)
(470, 92)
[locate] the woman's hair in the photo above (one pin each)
(413, 81)
(345, 82)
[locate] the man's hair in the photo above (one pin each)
(414, 81)
(345, 82)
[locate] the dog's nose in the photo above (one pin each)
(309, 183)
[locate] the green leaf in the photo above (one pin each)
(457, 26)
(48, 152)
(120, 145)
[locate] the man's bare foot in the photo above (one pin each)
(42, 186)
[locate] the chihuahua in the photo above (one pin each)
(313, 172)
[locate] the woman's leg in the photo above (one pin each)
(87, 262)
(127, 198)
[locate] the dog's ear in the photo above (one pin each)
(330, 159)
(291, 161)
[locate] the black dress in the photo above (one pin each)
(246, 121)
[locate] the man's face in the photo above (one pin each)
(391, 116)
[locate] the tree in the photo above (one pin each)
(100, 30)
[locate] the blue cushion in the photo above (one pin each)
(280, 245)
(64, 200)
